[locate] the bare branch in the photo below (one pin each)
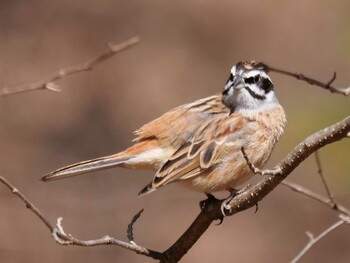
(320, 172)
(345, 213)
(29, 204)
(324, 200)
(48, 82)
(213, 207)
(62, 238)
(209, 213)
(313, 240)
(311, 81)
(67, 239)
(314, 142)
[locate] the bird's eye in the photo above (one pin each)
(267, 85)
(252, 80)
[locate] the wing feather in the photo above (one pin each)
(208, 155)
(203, 151)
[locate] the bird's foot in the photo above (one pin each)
(256, 208)
(233, 193)
(205, 204)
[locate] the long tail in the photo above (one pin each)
(87, 167)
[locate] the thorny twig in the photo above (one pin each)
(48, 83)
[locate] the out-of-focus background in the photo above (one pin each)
(187, 50)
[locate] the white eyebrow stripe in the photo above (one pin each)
(233, 70)
(253, 73)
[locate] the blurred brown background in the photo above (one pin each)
(187, 50)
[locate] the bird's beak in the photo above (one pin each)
(239, 83)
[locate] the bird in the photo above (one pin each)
(199, 144)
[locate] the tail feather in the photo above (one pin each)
(87, 167)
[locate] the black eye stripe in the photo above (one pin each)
(231, 78)
(249, 80)
(267, 85)
(254, 95)
(252, 80)
(225, 92)
(263, 83)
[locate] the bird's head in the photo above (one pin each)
(249, 88)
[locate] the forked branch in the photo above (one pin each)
(48, 83)
(329, 201)
(62, 238)
(213, 207)
(313, 240)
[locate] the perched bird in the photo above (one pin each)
(199, 144)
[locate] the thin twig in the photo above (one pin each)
(313, 240)
(320, 172)
(324, 200)
(29, 204)
(130, 230)
(344, 213)
(67, 239)
(48, 82)
(311, 81)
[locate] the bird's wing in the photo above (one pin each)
(207, 147)
(177, 125)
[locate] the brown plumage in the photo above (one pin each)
(200, 143)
